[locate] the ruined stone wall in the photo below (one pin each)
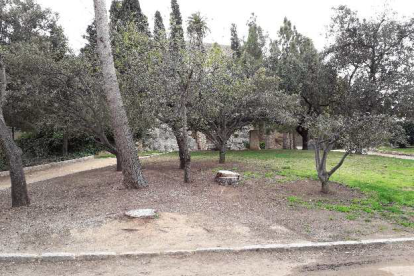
(162, 139)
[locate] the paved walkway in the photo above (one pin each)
(66, 169)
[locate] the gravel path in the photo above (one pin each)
(63, 170)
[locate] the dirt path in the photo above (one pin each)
(64, 170)
(407, 157)
(389, 260)
(376, 153)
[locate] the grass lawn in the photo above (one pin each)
(407, 151)
(387, 182)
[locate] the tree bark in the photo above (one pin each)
(131, 166)
(19, 194)
(304, 133)
(180, 143)
(294, 140)
(223, 150)
(325, 187)
(118, 163)
(186, 151)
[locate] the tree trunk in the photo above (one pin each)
(65, 145)
(19, 194)
(118, 163)
(325, 187)
(295, 146)
(305, 136)
(223, 150)
(13, 153)
(180, 143)
(186, 152)
(131, 166)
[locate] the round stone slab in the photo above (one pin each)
(142, 213)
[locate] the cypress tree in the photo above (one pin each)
(254, 44)
(130, 11)
(159, 28)
(176, 24)
(235, 42)
(115, 12)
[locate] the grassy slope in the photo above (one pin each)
(388, 182)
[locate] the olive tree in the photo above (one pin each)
(229, 100)
(351, 132)
(177, 70)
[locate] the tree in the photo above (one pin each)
(375, 56)
(176, 76)
(22, 21)
(131, 167)
(351, 132)
(13, 153)
(229, 101)
(254, 48)
(369, 59)
(295, 60)
(235, 42)
(176, 38)
(159, 28)
(130, 11)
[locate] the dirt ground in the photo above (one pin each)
(84, 212)
(64, 170)
(388, 260)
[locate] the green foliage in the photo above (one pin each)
(409, 130)
(126, 12)
(50, 143)
(159, 28)
(176, 38)
(235, 42)
(262, 145)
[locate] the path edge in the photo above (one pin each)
(94, 256)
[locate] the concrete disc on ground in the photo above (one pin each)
(142, 213)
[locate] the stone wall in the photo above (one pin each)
(162, 139)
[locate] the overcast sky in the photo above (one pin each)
(310, 17)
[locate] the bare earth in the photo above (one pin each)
(85, 212)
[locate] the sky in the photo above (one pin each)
(311, 17)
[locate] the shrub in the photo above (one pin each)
(50, 143)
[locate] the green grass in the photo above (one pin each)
(387, 182)
(407, 151)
